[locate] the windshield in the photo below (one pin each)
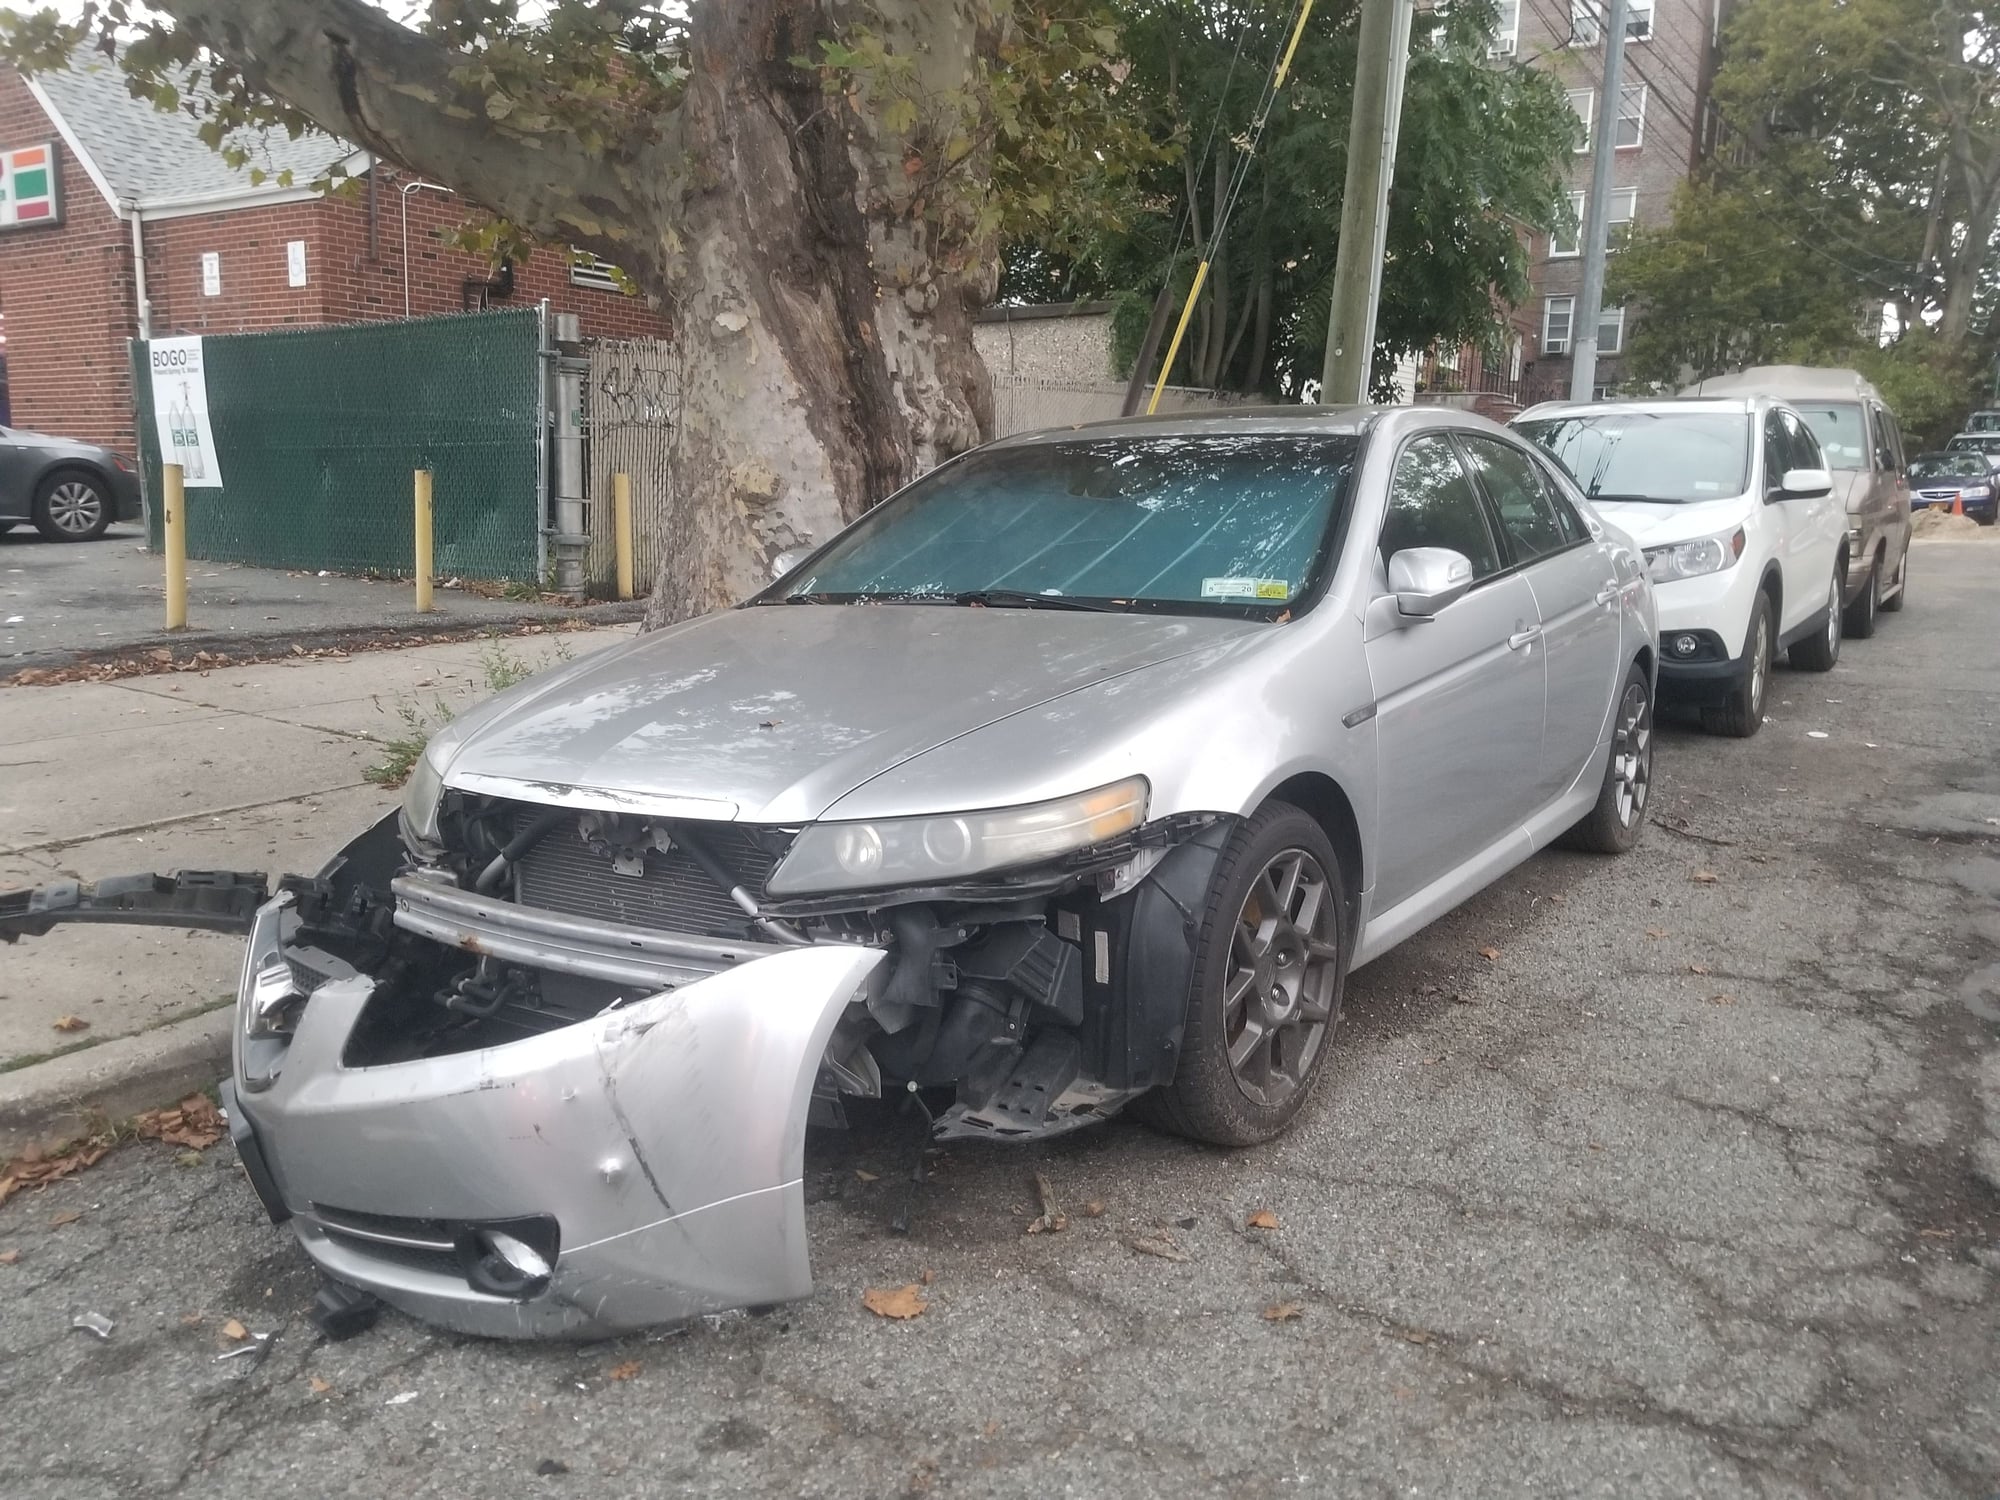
(1837, 425)
(1170, 522)
(1960, 465)
(1983, 443)
(1984, 421)
(1670, 457)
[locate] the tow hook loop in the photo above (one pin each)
(341, 1311)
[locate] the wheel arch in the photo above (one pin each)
(1773, 583)
(1322, 799)
(55, 468)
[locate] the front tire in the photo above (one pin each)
(71, 506)
(1819, 651)
(1741, 714)
(1860, 621)
(1613, 826)
(1270, 968)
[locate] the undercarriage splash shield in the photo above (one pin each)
(666, 1138)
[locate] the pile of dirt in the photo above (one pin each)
(1942, 523)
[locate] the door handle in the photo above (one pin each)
(1609, 593)
(1520, 640)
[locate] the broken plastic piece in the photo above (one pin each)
(92, 1322)
(341, 1311)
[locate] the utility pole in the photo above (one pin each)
(1597, 209)
(1382, 61)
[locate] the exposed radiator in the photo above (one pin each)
(563, 873)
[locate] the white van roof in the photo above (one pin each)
(1789, 383)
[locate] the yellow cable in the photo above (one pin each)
(1297, 32)
(1180, 332)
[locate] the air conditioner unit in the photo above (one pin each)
(1502, 47)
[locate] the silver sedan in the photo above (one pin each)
(1076, 776)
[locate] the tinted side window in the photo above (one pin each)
(1557, 484)
(1777, 451)
(1805, 447)
(1888, 442)
(1526, 514)
(1433, 504)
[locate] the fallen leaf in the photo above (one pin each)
(867, 1176)
(1402, 1392)
(1704, 877)
(1697, 968)
(234, 1329)
(1557, 898)
(625, 1371)
(195, 1123)
(1656, 932)
(11, 1257)
(1595, 1145)
(1262, 1219)
(1491, 955)
(991, 1429)
(190, 1320)
(1094, 1209)
(1417, 1335)
(1283, 1312)
(1161, 1245)
(895, 1302)
(72, 1023)
(67, 1216)
(319, 1387)
(1721, 999)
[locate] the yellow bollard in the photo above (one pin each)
(621, 522)
(173, 516)
(423, 541)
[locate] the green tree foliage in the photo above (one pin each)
(1849, 216)
(1482, 155)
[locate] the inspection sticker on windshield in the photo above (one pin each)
(1245, 588)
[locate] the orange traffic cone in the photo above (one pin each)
(1958, 505)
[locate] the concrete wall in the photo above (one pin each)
(1045, 344)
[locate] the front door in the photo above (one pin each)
(1460, 697)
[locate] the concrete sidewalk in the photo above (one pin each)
(63, 601)
(249, 768)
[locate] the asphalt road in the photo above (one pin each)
(1693, 1189)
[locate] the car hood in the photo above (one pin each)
(770, 714)
(1653, 523)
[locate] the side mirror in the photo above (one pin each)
(787, 560)
(1426, 579)
(1805, 484)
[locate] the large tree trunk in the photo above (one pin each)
(827, 333)
(828, 355)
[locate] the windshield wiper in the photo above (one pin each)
(1637, 499)
(1021, 599)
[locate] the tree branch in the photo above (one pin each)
(359, 75)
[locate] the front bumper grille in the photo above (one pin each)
(669, 892)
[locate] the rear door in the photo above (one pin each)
(1460, 698)
(1576, 587)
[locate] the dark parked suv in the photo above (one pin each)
(70, 490)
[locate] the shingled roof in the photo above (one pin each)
(148, 155)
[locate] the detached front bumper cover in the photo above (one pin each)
(662, 1143)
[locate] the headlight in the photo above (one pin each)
(1976, 492)
(924, 851)
(1709, 554)
(268, 1001)
(421, 795)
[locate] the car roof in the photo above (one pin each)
(1789, 383)
(1662, 406)
(1275, 421)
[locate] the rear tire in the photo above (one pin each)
(1894, 603)
(1860, 621)
(1819, 651)
(72, 506)
(1270, 967)
(1613, 826)
(1742, 714)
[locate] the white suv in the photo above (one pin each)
(1732, 503)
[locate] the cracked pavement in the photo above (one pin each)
(1694, 1189)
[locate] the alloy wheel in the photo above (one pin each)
(1278, 995)
(75, 507)
(1760, 664)
(1833, 613)
(1632, 754)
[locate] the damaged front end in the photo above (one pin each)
(528, 1068)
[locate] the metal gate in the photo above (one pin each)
(632, 400)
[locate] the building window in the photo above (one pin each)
(586, 269)
(1564, 245)
(1507, 31)
(1557, 314)
(1586, 21)
(1584, 103)
(1624, 213)
(1631, 116)
(1611, 331)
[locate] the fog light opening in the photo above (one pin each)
(1686, 645)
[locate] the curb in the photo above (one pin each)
(47, 1103)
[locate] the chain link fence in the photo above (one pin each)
(318, 432)
(631, 415)
(1028, 403)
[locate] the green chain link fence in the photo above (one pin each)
(318, 431)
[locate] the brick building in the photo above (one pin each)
(218, 252)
